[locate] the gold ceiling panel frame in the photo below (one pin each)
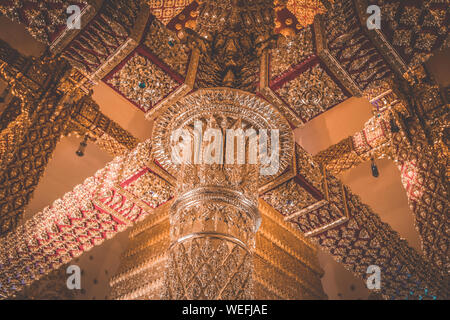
(127, 47)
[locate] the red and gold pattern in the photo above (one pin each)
(42, 107)
(44, 19)
(131, 187)
(103, 37)
(99, 208)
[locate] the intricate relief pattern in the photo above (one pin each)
(53, 237)
(102, 36)
(207, 268)
(10, 113)
(339, 157)
(285, 263)
(214, 216)
(143, 263)
(355, 235)
(421, 173)
(107, 134)
(350, 46)
(291, 51)
(160, 192)
(33, 128)
(81, 219)
(311, 93)
(212, 232)
(308, 168)
(365, 240)
(427, 191)
(289, 198)
(213, 104)
(235, 35)
(21, 173)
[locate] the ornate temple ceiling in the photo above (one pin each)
(415, 30)
(300, 80)
(160, 63)
(341, 57)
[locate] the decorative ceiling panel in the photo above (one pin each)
(137, 186)
(415, 28)
(166, 10)
(102, 37)
(304, 192)
(297, 199)
(141, 80)
(309, 90)
(164, 44)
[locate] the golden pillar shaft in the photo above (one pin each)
(213, 223)
(215, 142)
